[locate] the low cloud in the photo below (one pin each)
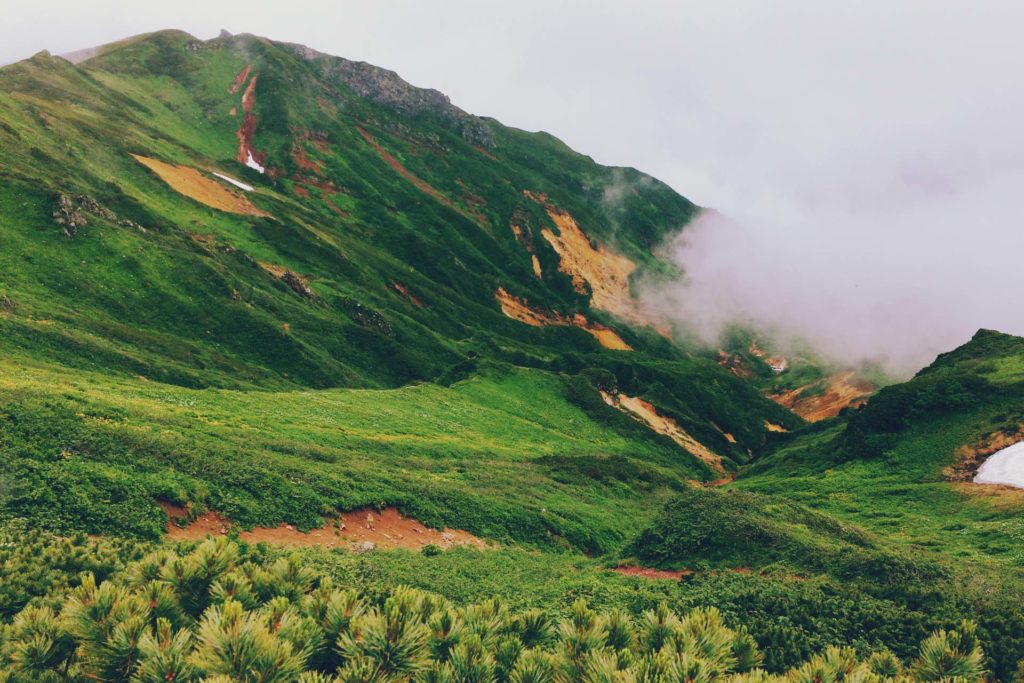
(896, 285)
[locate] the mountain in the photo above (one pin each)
(196, 223)
(256, 291)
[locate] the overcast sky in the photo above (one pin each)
(866, 159)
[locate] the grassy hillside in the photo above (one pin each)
(248, 282)
(899, 469)
(265, 281)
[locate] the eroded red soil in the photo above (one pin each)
(358, 530)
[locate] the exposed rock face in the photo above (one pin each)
(298, 285)
(367, 317)
(388, 88)
(67, 215)
(70, 212)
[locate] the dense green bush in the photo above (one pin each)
(224, 613)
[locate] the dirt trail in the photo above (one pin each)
(519, 309)
(841, 391)
(647, 413)
(357, 530)
(193, 184)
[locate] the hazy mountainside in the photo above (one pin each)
(381, 216)
(253, 290)
(239, 214)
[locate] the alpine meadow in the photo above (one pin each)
(307, 374)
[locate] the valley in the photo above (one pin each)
(290, 345)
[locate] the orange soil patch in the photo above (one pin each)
(363, 529)
(404, 291)
(842, 390)
(523, 238)
(602, 270)
(772, 427)
(648, 573)
(536, 265)
(519, 309)
(648, 414)
(193, 184)
(728, 437)
(420, 184)
(248, 127)
(301, 191)
(302, 160)
(236, 85)
(233, 111)
(777, 363)
(483, 150)
(335, 208)
(734, 364)
(969, 457)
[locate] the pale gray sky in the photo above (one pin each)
(868, 156)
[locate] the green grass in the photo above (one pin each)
(165, 364)
(96, 454)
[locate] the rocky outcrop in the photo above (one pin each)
(70, 214)
(67, 215)
(385, 87)
(367, 317)
(297, 284)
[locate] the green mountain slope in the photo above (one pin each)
(898, 470)
(253, 221)
(248, 282)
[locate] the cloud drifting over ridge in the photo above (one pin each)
(876, 213)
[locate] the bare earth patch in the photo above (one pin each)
(648, 414)
(236, 85)
(596, 267)
(404, 291)
(648, 573)
(518, 309)
(247, 154)
(194, 185)
(358, 530)
(843, 390)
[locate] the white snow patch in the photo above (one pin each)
(252, 163)
(236, 183)
(1003, 467)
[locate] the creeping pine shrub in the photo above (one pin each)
(216, 614)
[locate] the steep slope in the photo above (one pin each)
(227, 225)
